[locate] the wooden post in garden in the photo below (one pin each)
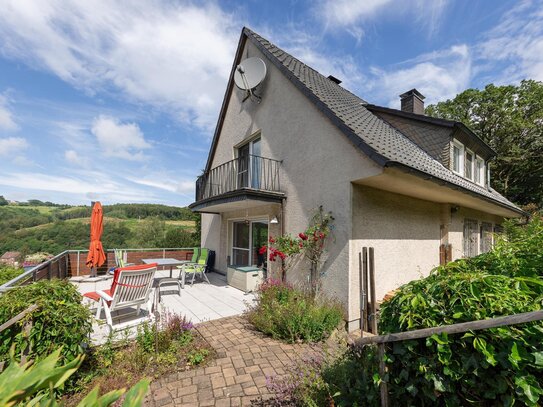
(371, 261)
(383, 386)
(364, 284)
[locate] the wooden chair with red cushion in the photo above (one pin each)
(131, 287)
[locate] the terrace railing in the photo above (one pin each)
(71, 263)
(250, 172)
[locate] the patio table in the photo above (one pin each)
(165, 262)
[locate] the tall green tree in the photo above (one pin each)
(3, 201)
(510, 119)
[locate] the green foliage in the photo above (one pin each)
(60, 319)
(35, 385)
(509, 119)
(8, 273)
(3, 201)
(495, 364)
(293, 315)
(176, 237)
(54, 229)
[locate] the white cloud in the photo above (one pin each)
(438, 76)
(12, 145)
(82, 186)
(175, 56)
(353, 15)
(517, 42)
(73, 157)
(123, 140)
(7, 122)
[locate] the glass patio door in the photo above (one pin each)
(248, 237)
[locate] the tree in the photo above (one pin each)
(3, 201)
(509, 119)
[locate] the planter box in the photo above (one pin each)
(244, 278)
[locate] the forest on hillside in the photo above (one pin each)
(36, 226)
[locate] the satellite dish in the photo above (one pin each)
(250, 73)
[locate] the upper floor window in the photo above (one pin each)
(467, 164)
(480, 171)
(458, 158)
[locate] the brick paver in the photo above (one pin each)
(245, 358)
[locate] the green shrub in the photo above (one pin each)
(502, 364)
(61, 319)
(293, 315)
(8, 273)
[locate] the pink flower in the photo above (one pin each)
(271, 240)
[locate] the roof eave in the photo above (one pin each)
(426, 176)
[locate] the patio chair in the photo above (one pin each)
(130, 288)
(198, 267)
(179, 281)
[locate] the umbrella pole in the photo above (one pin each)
(93, 272)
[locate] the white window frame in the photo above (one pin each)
(473, 158)
(250, 221)
(460, 146)
(480, 171)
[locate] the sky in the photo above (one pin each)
(117, 101)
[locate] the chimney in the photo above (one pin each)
(412, 101)
(334, 79)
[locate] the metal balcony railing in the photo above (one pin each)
(253, 172)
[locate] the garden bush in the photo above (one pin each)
(292, 314)
(8, 273)
(61, 319)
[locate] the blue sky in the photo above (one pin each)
(117, 101)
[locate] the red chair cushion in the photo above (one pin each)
(94, 295)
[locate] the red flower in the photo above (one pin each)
(271, 240)
(263, 250)
(302, 236)
(322, 235)
(301, 245)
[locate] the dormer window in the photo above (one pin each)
(480, 171)
(458, 158)
(467, 164)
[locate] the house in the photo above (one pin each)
(10, 259)
(413, 187)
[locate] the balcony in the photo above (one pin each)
(230, 185)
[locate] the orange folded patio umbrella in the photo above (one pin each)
(96, 255)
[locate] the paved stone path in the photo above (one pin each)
(245, 358)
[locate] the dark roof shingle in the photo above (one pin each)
(382, 142)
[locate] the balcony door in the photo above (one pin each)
(248, 237)
(249, 165)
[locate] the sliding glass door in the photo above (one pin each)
(247, 239)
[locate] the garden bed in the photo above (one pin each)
(171, 345)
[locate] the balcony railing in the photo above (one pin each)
(252, 172)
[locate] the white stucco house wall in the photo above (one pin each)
(395, 180)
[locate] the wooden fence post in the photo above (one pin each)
(371, 261)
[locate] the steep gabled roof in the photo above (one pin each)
(377, 139)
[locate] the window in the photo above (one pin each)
(480, 171)
(468, 171)
(458, 157)
(249, 164)
(471, 232)
(248, 237)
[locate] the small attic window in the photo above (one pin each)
(458, 157)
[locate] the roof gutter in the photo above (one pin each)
(439, 181)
